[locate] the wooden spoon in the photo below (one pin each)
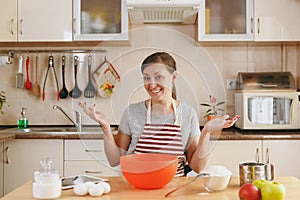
(36, 89)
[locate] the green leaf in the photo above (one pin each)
(205, 104)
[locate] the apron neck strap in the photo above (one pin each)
(149, 112)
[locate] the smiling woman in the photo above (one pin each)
(160, 124)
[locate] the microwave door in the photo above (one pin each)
(282, 107)
(287, 110)
(267, 110)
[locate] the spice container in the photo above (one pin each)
(47, 183)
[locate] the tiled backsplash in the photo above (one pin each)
(202, 71)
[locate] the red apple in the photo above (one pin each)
(249, 191)
(272, 191)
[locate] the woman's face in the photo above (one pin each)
(158, 81)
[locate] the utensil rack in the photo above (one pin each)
(11, 53)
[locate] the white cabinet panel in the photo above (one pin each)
(84, 150)
(24, 157)
(87, 157)
(277, 20)
(284, 155)
(44, 20)
(230, 153)
(35, 20)
(92, 167)
(8, 20)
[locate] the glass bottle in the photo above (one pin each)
(23, 121)
(47, 183)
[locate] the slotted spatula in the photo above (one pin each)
(90, 90)
(76, 92)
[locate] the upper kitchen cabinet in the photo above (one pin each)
(35, 20)
(100, 20)
(8, 20)
(230, 20)
(277, 20)
(249, 20)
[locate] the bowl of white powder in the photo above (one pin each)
(218, 179)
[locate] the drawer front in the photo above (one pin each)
(93, 168)
(84, 150)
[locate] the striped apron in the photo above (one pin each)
(162, 138)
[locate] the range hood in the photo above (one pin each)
(163, 11)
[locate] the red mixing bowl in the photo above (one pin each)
(148, 171)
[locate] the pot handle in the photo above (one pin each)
(269, 168)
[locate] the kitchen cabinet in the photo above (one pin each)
(8, 20)
(35, 20)
(225, 20)
(1, 168)
(249, 20)
(230, 153)
(24, 157)
(277, 20)
(87, 157)
(100, 20)
(284, 155)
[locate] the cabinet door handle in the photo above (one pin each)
(74, 25)
(93, 150)
(257, 155)
(11, 26)
(6, 161)
(251, 25)
(21, 26)
(267, 155)
(93, 172)
(258, 25)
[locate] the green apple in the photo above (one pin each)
(259, 183)
(272, 191)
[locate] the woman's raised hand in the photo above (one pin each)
(217, 124)
(95, 115)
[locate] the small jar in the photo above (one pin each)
(47, 183)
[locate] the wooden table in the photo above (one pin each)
(122, 190)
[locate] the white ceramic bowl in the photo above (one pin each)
(219, 178)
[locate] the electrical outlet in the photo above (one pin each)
(231, 84)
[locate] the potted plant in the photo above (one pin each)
(214, 107)
(2, 101)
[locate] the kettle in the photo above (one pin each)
(250, 171)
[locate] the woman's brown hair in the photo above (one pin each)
(163, 58)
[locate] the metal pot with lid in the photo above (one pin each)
(251, 171)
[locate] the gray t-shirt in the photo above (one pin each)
(135, 116)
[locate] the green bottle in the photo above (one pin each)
(23, 121)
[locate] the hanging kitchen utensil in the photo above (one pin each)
(106, 78)
(27, 83)
(19, 76)
(76, 92)
(50, 65)
(90, 90)
(36, 89)
(64, 92)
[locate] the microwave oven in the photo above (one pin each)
(263, 109)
